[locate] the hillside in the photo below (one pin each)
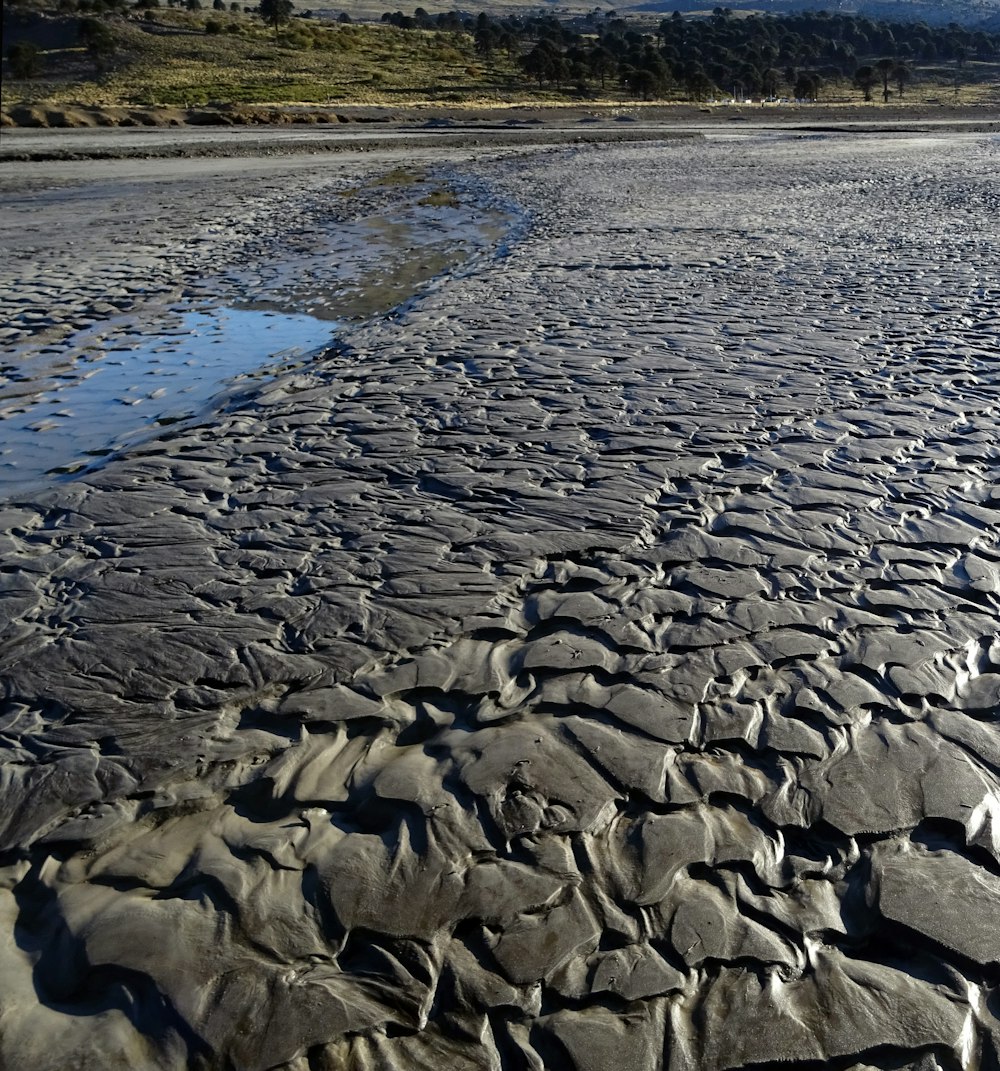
(150, 56)
(174, 57)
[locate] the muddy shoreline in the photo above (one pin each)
(99, 346)
(592, 663)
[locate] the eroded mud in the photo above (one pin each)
(595, 666)
(85, 373)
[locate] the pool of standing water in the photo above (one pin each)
(66, 407)
(61, 412)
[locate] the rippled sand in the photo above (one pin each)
(101, 346)
(594, 666)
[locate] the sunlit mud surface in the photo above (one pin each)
(594, 666)
(88, 388)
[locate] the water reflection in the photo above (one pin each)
(66, 405)
(63, 407)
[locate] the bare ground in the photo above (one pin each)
(593, 664)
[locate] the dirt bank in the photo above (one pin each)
(224, 115)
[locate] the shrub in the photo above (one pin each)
(24, 59)
(98, 40)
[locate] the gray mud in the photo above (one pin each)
(594, 666)
(408, 137)
(147, 339)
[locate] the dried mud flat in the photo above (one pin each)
(594, 665)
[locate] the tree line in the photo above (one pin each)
(722, 55)
(687, 57)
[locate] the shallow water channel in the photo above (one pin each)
(60, 413)
(67, 406)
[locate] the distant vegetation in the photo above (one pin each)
(725, 55)
(185, 52)
(981, 14)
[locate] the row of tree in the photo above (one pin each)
(693, 57)
(759, 55)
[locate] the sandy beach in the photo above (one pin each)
(581, 653)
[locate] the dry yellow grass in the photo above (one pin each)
(171, 58)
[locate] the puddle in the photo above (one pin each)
(83, 400)
(66, 407)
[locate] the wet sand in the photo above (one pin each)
(99, 350)
(593, 663)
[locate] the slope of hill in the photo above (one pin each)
(173, 57)
(148, 55)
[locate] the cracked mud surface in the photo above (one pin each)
(595, 665)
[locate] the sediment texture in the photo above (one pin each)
(594, 666)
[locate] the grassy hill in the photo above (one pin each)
(170, 57)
